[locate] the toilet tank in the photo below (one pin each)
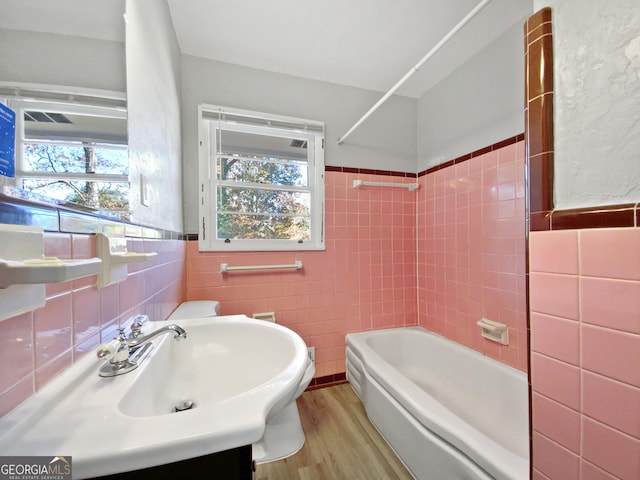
(196, 309)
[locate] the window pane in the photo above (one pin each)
(56, 158)
(274, 171)
(75, 157)
(94, 195)
(112, 160)
(265, 227)
(250, 200)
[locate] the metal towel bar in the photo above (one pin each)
(362, 183)
(224, 267)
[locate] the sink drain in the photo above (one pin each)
(183, 405)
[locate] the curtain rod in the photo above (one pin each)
(437, 47)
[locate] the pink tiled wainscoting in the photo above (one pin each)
(78, 316)
(585, 342)
(471, 251)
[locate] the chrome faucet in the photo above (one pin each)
(136, 342)
(126, 353)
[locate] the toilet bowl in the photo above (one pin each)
(283, 435)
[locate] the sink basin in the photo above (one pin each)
(236, 371)
(217, 362)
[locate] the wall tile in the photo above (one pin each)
(610, 402)
(556, 422)
(472, 230)
(109, 304)
(556, 380)
(610, 253)
(57, 245)
(90, 345)
(556, 337)
(49, 370)
(53, 329)
(131, 291)
(553, 460)
(554, 252)
(11, 398)
(86, 313)
(610, 303)
(589, 471)
(16, 354)
(554, 294)
(614, 452)
(541, 124)
(537, 475)
(611, 353)
(608, 317)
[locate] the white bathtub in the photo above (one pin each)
(447, 411)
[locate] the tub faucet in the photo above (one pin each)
(125, 354)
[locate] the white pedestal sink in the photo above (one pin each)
(238, 373)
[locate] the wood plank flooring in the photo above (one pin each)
(340, 443)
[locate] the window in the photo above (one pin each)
(73, 153)
(261, 181)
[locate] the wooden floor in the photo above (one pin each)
(340, 443)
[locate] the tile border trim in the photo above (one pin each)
(476, 153)
(607, 216)
(53, 218)
(368, 171)
(327, 381)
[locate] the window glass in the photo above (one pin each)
(104, 196)
(75, 157)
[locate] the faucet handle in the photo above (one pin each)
(136, 326)
(116, 350)
(122, 337)
(108, 349)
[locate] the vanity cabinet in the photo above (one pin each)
(233, 464)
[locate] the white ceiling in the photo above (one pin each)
(361, 43)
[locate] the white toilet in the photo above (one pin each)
(283, 435)
(196, 309)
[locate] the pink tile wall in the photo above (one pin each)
(78, 316)
(365, 279)
(585, 342)
(471, 251)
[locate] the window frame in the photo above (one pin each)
(214, 118)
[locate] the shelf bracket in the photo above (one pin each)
(115, 258)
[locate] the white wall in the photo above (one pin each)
(596, 101)
(479, 104)
(153, 93)
(33, 57)
(386, 141)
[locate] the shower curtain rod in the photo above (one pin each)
(437, 47)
